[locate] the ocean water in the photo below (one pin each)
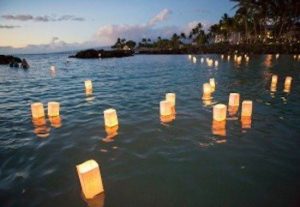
(182, 163)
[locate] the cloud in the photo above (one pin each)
(8, 26)
(161, 16)
(45, 18)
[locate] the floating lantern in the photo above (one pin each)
(210, 62)
(219, 112)
(171, 97)
(207, 91)
(110, 118)
(111, 133)
(219, 128)
(190, 57)
(235, 57)
(53, 109)
(222, 56)
(52, 68)
(247, 58)
(88, 85)
(37, 110)
(212, 84)
(216, 63)
(295, 57)
(90, 178)
(247, 108)
(274, 83)
(165, 108)
(202, 60)
(287, 84)
(234, 99)
(167, 119)
(277, 56)
(228, 57)
(194, 59)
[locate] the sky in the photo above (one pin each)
(40, 26)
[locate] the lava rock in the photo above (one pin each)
(91, 53)
(8, 59)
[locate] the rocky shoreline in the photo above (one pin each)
(92, 53)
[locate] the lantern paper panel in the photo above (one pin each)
(110, 118)
(165, 108)
(234, 99)
(219, 112)
(53, 109)
(247, 108)
(37, 110)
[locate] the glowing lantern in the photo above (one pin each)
(295, 56)
(219, 112)
(190, 56)
(228, 57)
(234, 99)
(52, 68)
(55, 121)
(110, 118)
(194, 59)
(88, 85)
(247, 108)
(206, 91)
(90, 178)
(216, 63)
(277, 56)
(53, 109)
(247, 58)
(202, 60)
(222, 56)
(171, 97)
(287, 84)
(212, 84)
(37, 110)
(274, 82)
(165, 108)
(246, 122)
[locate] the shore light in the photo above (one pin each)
(206, 91)
(202, 60)
(88, 85)
(90, 178)
(234, 99)
(212, 84)
(219, 112)
(53, 109)
(194, 59)
(165, 108)
(37, 110)
(110, 117)
(247, 108)
(287, 84)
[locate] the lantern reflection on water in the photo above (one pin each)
(219, 112)
(274, 83)
(110, 118)
(216, 63)
(111, 133)
(37, 110)
(55, 121)
(40, 127)
(194, 59)
(246, 122)
(90, 178)
(167, 119)
(219, 128)
(206, 91)
(53, 109)
(202, 60)
(96, 201)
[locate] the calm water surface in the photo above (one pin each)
(150, 164)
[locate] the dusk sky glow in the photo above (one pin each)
(49, 26)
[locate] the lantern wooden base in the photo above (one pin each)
(207, 97)
(88, 92)
(97, 201)
(111, 132)
(90, 178)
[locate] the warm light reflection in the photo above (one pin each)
(88, 85)
(40, 127)
(207, 102)
(219, 128)
(190, 57)
(206, 91)
(53, 109)
(167, 119)
(90, 178)
(287, 84)
(234, 99)
(219, 112)
(37, 110)
(246, 122)
(274, 83)
(55, 121)
(202, 60)
(228, 57)
(216, 63)
(268, 61)
(232, 110)
(110, 118)
(111, 132)
(194, 59)
(222, 56)
(88, 92)
(96, 201)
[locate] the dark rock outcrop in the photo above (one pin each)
(91, 53)
(7, 59)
